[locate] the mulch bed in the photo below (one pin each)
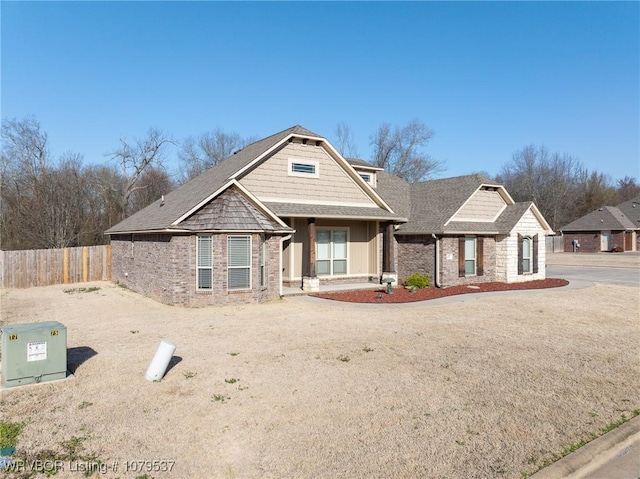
(403, 295)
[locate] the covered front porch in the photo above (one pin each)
(328, 254)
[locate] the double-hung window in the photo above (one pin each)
(238, 262)
(526, 254)
(331, 252)
(469, 256)
(204, 262)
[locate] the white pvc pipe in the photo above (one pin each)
(160, 361)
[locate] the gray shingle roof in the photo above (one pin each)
(631, 209)
(231, 211)
(511, 215)
(434, 202)
(186, 197)
(330, 211)
(605, 218)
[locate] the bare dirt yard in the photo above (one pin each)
(493, 385)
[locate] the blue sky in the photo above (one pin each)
(487, 78)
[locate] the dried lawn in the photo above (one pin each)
(489, 385)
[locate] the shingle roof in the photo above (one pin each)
(331, 211)
(605, 218)
(396, 192)
(511, 215)
(434, 202)
(186, 197)
(631, 209)
(231, 211)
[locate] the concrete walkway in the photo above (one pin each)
(615, 455)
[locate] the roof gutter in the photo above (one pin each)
(282, 240)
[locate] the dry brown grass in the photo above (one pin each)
(486, 386)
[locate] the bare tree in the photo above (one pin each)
(345, 142)
(562, 188)
(42, 202)
(627, 189)
(200, 153)
(399, 151)
(134, 158)
(153, 183)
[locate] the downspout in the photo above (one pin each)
(282, 240)
(436, 278)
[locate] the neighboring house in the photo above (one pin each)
(289, 210)
(605, 229)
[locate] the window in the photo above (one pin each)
(303, 168)
(331, 252)
(526, 255)
(238, 262)
(204, 262)
(469, 256)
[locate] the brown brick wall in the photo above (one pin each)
(415, 254)
(163, 267)
(590, 242)
(449, 262)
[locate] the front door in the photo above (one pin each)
(605, 240)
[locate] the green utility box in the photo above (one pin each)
(33, 353)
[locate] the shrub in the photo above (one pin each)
(417, 280)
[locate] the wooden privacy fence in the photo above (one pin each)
(44, 267)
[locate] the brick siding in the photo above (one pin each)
(415, 254)
(163, 267)
(590, 241)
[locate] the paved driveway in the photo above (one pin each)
(608, 268)
(626, 277)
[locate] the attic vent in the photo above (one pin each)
(304, 141)
(318, 143)
(489, 188)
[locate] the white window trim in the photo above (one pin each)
(332, 229)
(198, 267)
(241, 267)
(315, 163)
(475, 256)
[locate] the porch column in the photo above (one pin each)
(312, 247)
(388, 260)
(311, 282)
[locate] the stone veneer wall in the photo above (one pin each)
(163, 267)
(507, 251)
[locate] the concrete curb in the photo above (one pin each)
(593, 455)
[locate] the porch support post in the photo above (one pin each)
(388, 262)
(311, 282)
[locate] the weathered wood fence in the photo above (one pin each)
(44, 267)
(554, 244)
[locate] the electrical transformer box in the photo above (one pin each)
(33, 353)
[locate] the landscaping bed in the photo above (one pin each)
(404, 295)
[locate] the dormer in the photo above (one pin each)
(366, 170)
